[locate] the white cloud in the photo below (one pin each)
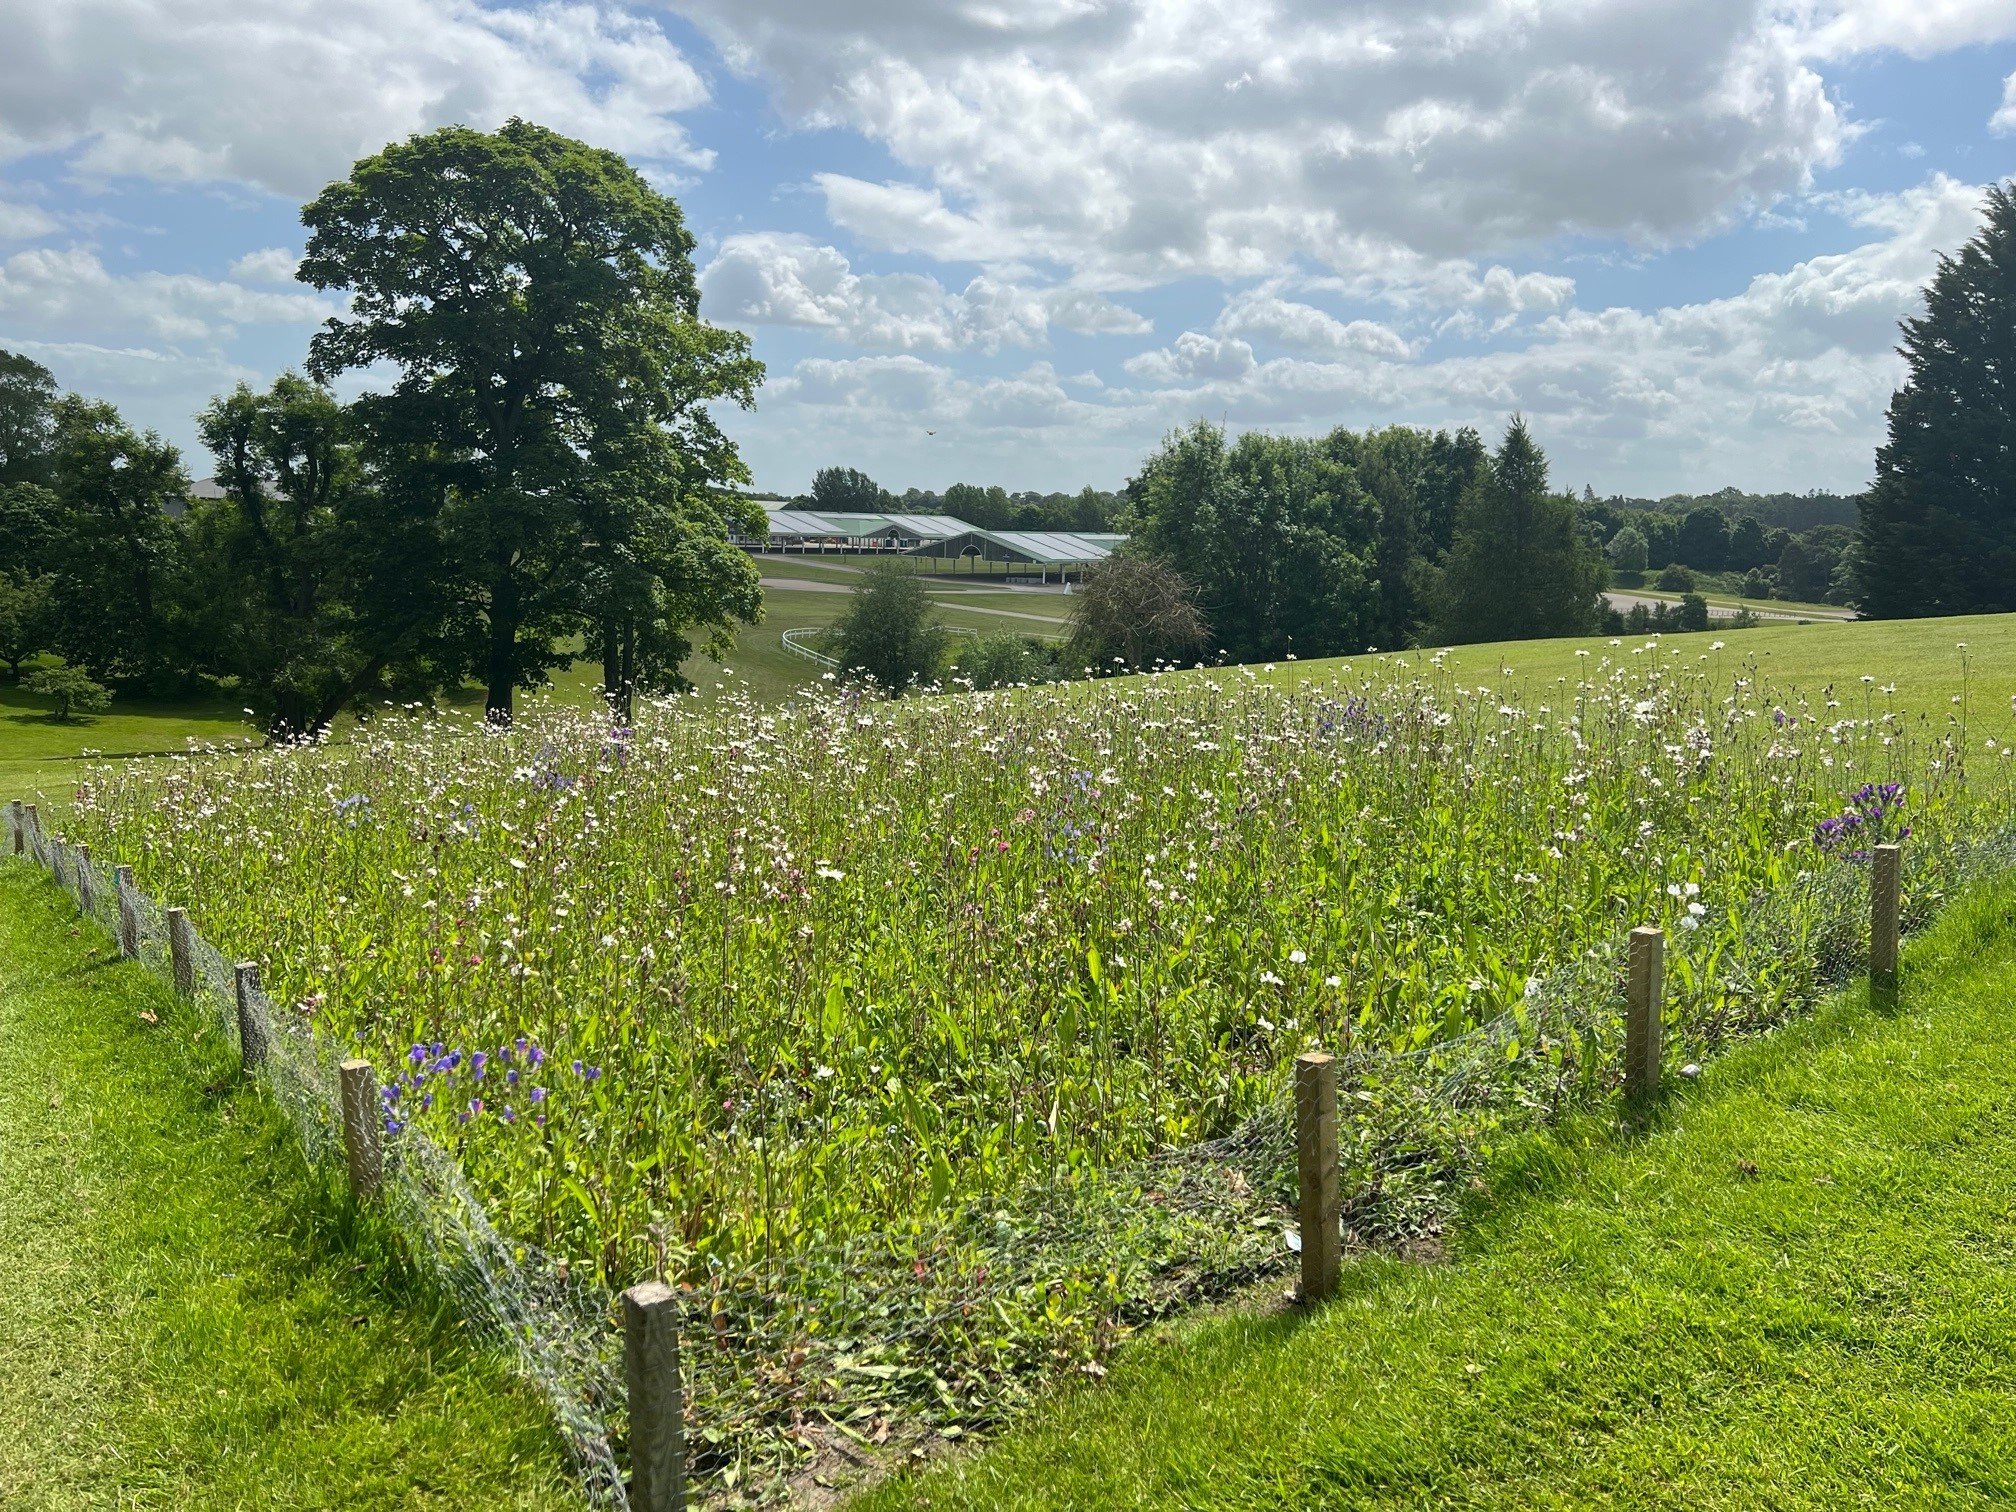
(1192, 356)
(779, 278)
(68, 294)
(2004, 119)
(1304, 328)
(268, 265)
(1092, 314)
(1918, 28)
(906, 395)
(1782, 383)
(1147, 141)
(286, 94)
(19, 222)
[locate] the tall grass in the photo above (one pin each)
(724, 990)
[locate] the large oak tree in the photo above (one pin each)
(550, 412)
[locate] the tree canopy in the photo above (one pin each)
(550, 416)
(1938, 529)
(1520, 567)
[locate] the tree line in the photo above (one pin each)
(542, 474)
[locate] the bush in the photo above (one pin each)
(70, 690)
(1756, 583)
(1693, 612)
(1676, 579)
(1001, 661)
(1133, 611)
(889, 633)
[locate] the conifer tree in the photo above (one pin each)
(1938, 529)
(1520, 567)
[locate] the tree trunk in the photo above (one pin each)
(612, 670)
(501, 677)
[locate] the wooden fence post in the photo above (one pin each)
(1885, 918)
(1316, 1168)
(34, 814)
(55, 850)
(129, 913)
(1643, 1052)
(251, 1023)
(87, 897)
(657, 1398)
(181, 952)
(361, 1120)
(16, 822)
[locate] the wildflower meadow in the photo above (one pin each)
(826, 1011)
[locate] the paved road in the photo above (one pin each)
(950, 600)
(977, 583)
(1626, 602)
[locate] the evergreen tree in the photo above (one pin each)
(1938, 529)
(1519, 568)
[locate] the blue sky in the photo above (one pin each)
(1018, 241)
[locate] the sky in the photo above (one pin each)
(1020, 241)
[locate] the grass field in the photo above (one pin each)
(1793, 1291)
(193, 1318)
(1938, 667)
(902, 978)
(914, 991)
(39, 758)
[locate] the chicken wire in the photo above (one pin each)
(1102, 1252)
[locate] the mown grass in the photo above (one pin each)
(1792, 1289)
(193, 1318)
(1922, 658)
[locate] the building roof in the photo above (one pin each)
(1049, 548)
(791, 521)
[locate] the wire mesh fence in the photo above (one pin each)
(776, 1382)
(559, 1330)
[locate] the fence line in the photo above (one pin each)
(565, 1333)
(559, 1330)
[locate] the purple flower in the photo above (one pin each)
(537, 1094)
(476, 1064)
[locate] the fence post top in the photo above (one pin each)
(251, 966)
(648, 1294)
(1892, 846)
(1648, 932)
(1314, 1058)
(352, 1066)
(123, 873)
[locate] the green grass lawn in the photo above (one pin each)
(1919, 657)
(193, 1318)
(1794, 1289)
